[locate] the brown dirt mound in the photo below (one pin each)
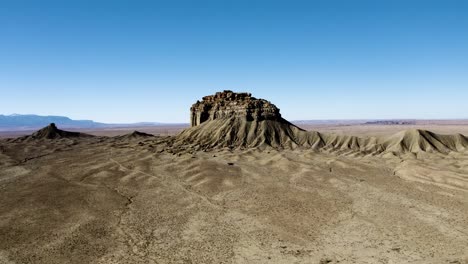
(416, 140)
(135, 134)
(240, 133)
(52, 132)
(352, 143)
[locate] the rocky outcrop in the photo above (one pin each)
(229, 104)
(52, 132)
(238, 120)
(135, 135)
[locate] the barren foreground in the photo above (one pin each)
(133, 200)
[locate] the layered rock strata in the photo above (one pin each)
(228, 104)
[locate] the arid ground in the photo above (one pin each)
(134, 199)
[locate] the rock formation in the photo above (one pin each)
(238, 120)
(52, 132)
(135, 135)
(230, 104)
(417, 140)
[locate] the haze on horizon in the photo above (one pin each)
(123, 62)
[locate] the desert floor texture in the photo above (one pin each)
(133, 199)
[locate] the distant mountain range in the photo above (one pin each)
(27, 122)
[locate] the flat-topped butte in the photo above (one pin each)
(228, 104)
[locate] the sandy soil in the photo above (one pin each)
(104, 200)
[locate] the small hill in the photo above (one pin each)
(52, 132)
(239, 132)
(416, 140)
(346, 143)
(135, 135)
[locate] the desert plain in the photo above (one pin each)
(256, 191)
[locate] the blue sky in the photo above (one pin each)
(129, 61)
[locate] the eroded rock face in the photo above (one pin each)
(228, 104)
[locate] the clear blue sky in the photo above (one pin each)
(128, 61)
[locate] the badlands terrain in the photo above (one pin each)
(241, 185)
